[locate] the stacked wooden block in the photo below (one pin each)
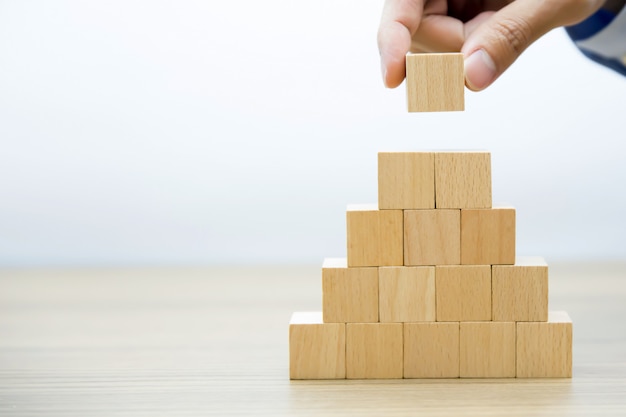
(435, 82)
(431, 286)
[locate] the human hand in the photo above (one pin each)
(491, 34)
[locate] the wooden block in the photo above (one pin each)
(374, 350)
(406, 293)
(432, 237)
(463, 292)
(431, 350)
(463, 180)
(488, 236)
(435, 82)
(406, 180)
(520, 291)
(349, 294)
(375, 237)
(487, 350)
(316, 350)
(545, 349)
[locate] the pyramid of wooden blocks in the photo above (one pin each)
(431, 286)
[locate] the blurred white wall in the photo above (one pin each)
(194, 132)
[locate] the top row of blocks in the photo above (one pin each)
(428, 180)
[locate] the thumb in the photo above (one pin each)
(496, 43)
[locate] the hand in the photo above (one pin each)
(491, 34)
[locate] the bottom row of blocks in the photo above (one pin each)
(320, 350)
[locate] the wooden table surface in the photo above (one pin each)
(213, 341)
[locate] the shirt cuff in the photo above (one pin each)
(602, 37)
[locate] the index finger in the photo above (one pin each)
(400, 20)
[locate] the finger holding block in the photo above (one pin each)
(316, 350)
(435, 82)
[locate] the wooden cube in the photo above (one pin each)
(545, 349)
(406, 293)
(432, 237)
(406, 180)
(488, 236)
(463, 180)
(375, 237)
(349, 294)
(520, 291)
(316, 350)
(463, 292)
(374, 350)
(431, 350)
(487, 350)
(435, 82)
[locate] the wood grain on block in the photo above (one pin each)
(463, 180)
(488, 236)
(520, 291)
(463, 292)
(374, 350)
(375, 237)
(406, 180)
(432, 237)
(431, 350)
(406, 293)
(487, 350)
(435, 82)
(316, 350)
(349, 294)
(545, 349)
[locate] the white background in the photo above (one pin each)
(181, 132)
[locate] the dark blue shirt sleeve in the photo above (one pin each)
(588, 37)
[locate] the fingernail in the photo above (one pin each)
(480, 71)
